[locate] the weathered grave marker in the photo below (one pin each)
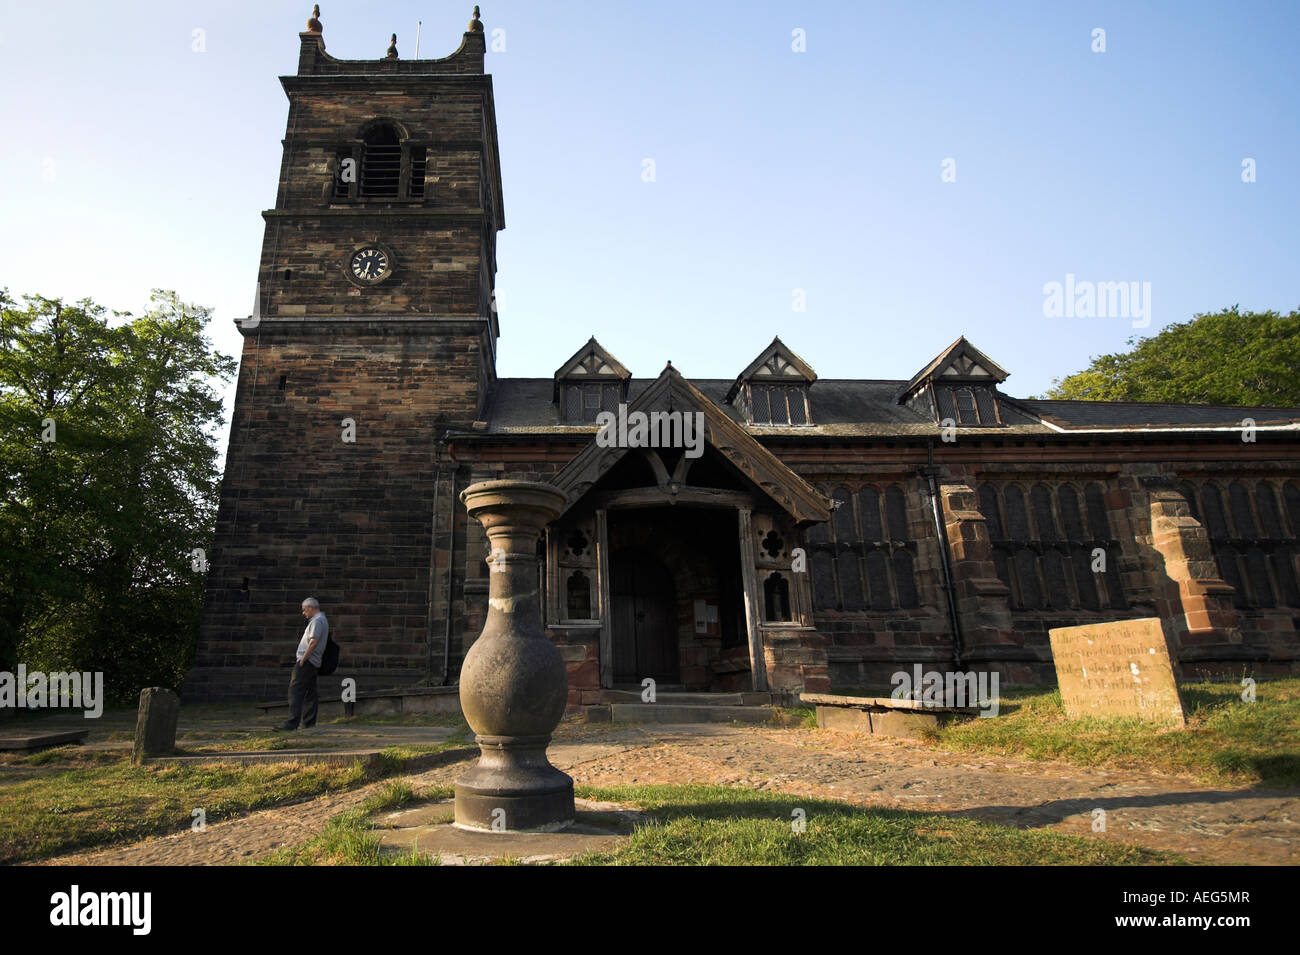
(1113, 669)
(155, 723)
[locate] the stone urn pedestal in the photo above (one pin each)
(513, 685)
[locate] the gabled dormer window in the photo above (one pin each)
(959, 388)
(774, 388)
(584, 401)
(778, 404)
(590, 382)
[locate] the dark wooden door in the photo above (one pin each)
(644, 619)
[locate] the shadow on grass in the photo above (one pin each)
(718, 825)
(1058, 810)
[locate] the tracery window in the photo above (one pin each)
(572, 572)
(1253, 545)
(776, 598)
(1052, 549)
(864, 558)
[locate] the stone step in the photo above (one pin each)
(31, 741)
(691, 699)
(680, 713)
(436, 699)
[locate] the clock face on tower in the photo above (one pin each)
(369, 265)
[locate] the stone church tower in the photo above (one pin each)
(373, 334)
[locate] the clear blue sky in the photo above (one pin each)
(131, 161)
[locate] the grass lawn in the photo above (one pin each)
(721, 825)
(98, 805)
(263, 741)
(101, 799)
(349, 839)
(1226, 740)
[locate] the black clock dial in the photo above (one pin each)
(369, 265)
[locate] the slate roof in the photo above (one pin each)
(867, 408)
(1138, 414)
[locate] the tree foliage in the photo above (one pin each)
(1224, 358)
(108, 470)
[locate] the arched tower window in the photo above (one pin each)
(382, 164)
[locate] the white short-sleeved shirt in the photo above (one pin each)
(319, 628)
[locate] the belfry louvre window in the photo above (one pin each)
(381, 164)
(419, 161)
(344, 173)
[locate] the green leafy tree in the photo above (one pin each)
(108, 467)
(1224, 358)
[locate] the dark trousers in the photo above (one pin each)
(302, 693)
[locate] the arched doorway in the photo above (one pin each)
(644, 619)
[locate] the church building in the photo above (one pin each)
(822, 535)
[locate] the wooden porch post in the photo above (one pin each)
(603, 609)
(757, 669)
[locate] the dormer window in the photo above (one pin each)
(773, 390)
(779, 404)
(959, 387)
(582, 402)
(383, 164)
(590, 382)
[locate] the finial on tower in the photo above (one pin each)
(313, 24)
(392, 48)
(474, 25)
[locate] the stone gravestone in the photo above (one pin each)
(155, 723)
(1117, 669)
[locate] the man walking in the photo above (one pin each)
(302, 686)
